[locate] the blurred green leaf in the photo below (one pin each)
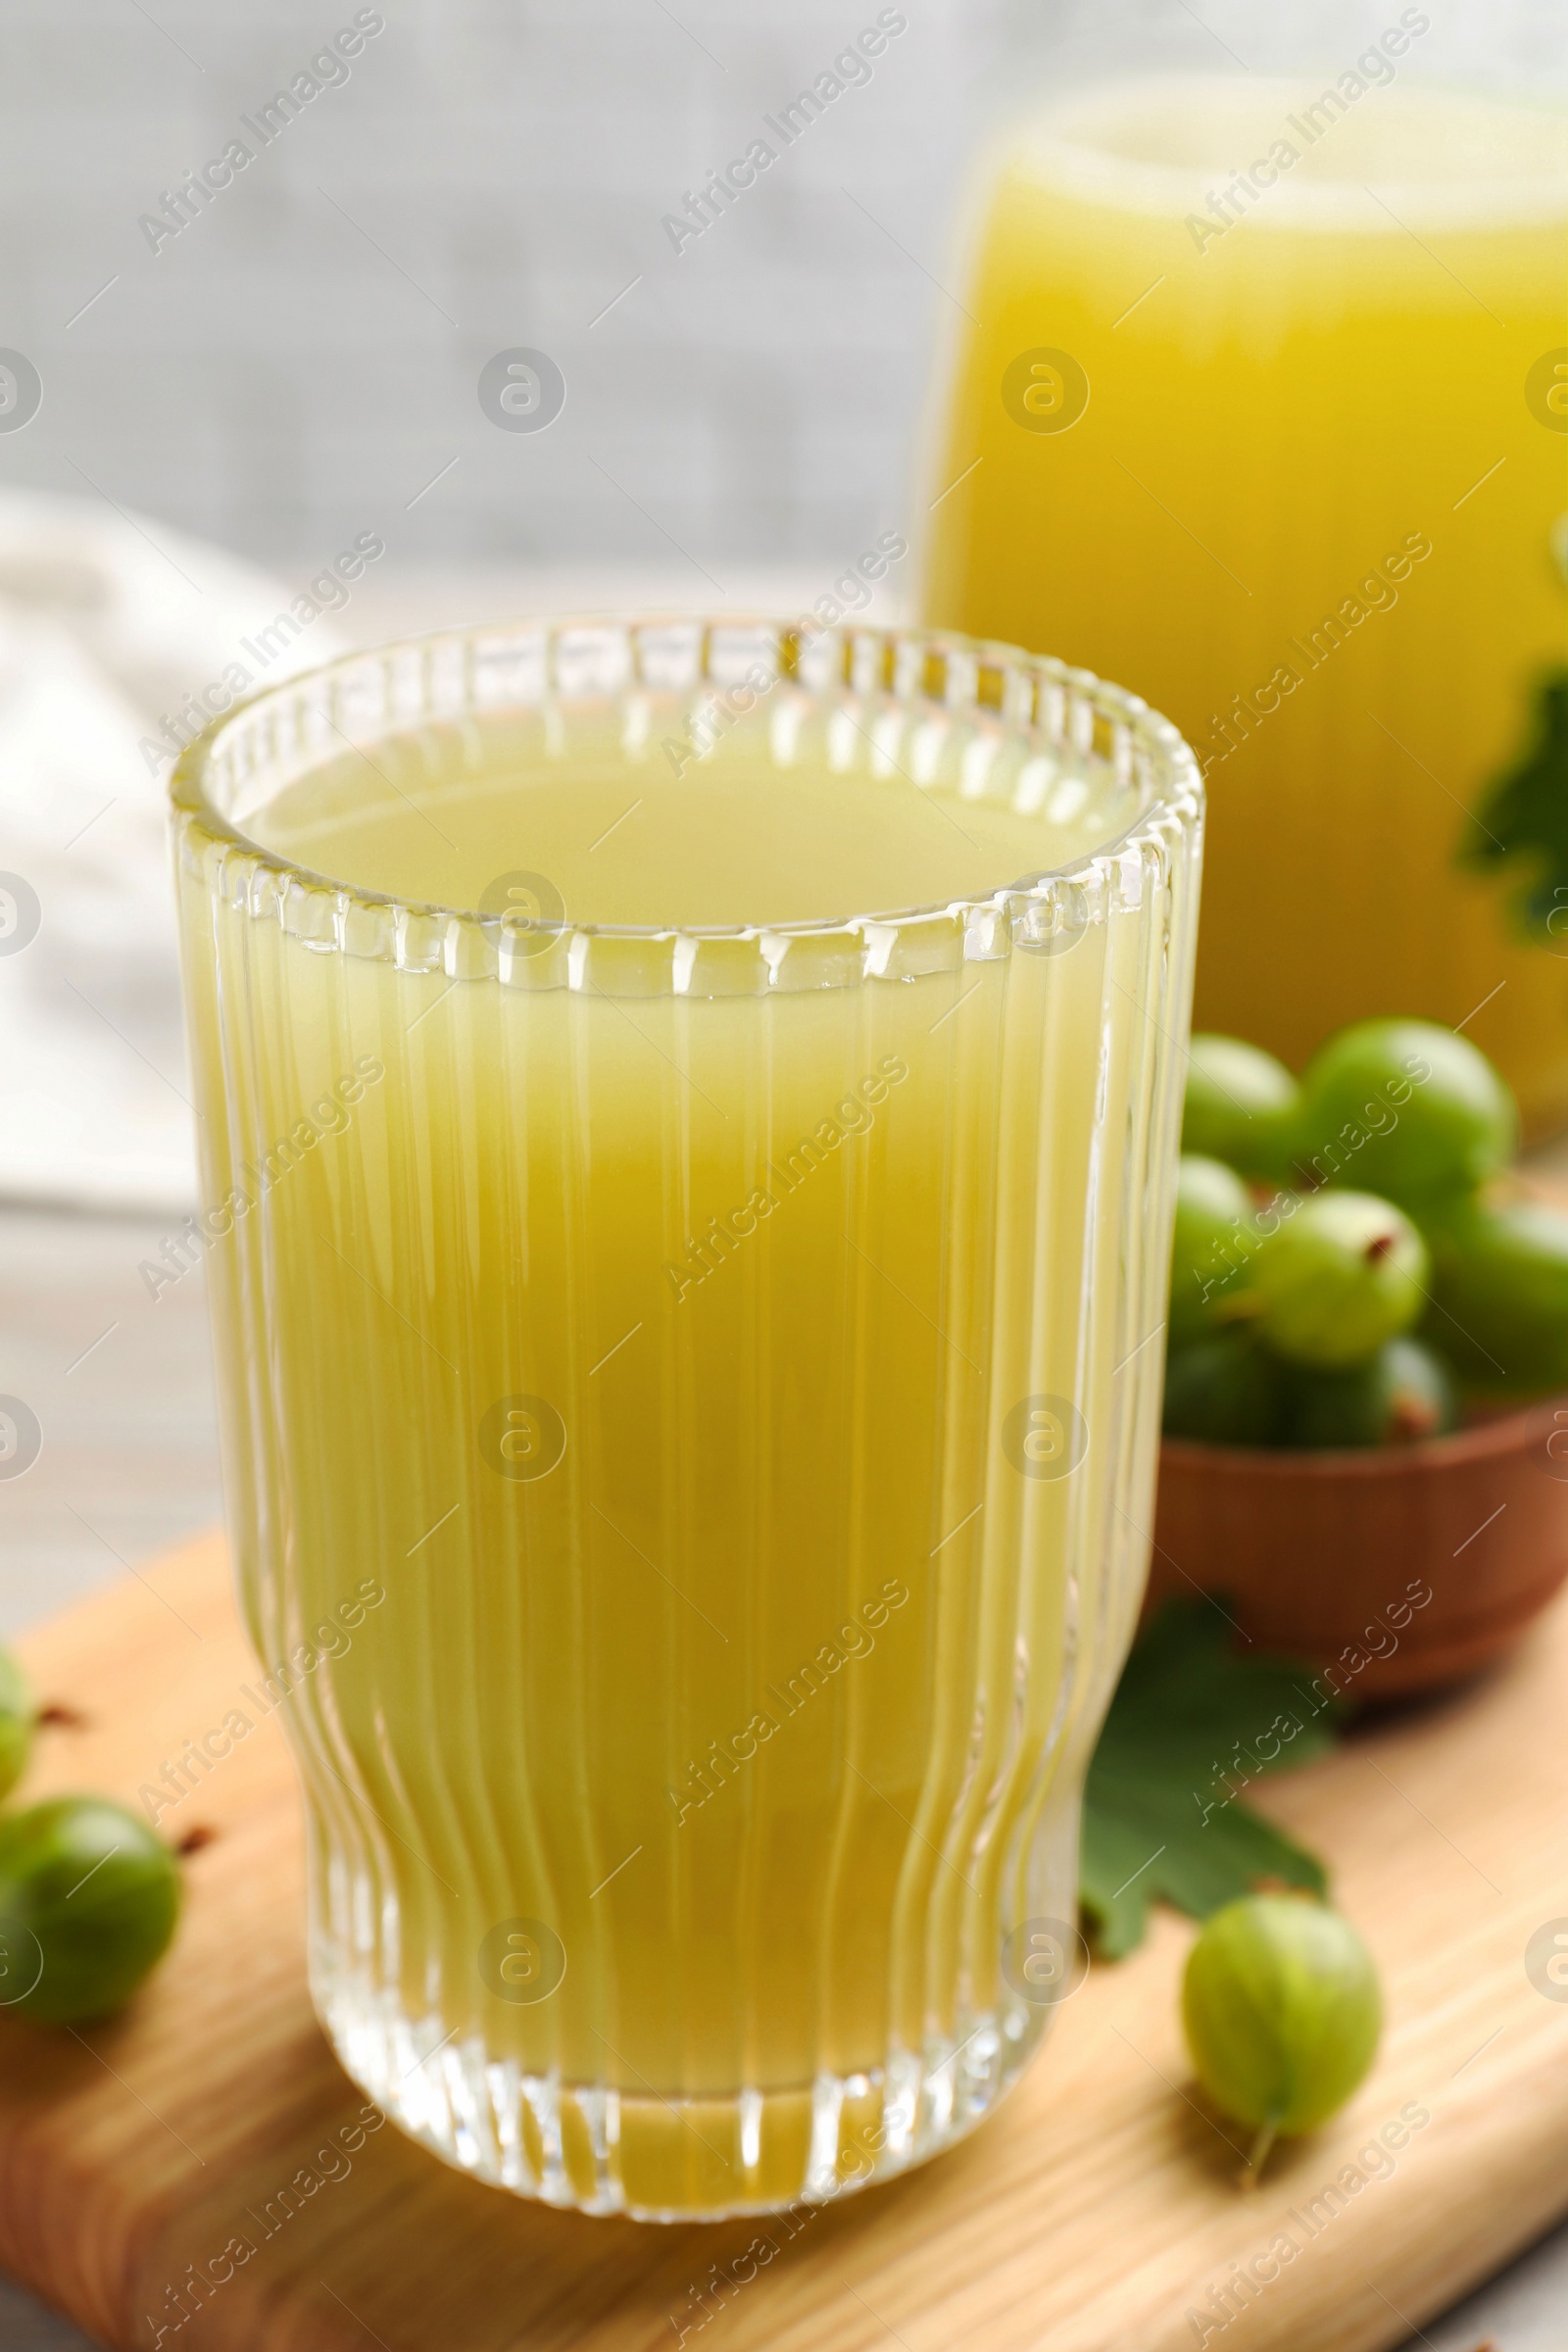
(1526, 817)
(1192, 1721)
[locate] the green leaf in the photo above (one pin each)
(1526, 819)
(1192, 1721)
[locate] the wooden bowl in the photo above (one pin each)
(1397, 1569)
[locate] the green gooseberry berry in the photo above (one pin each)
(1343, 1274)
(1211, 1243)
(1224, 1390)
(1499, 1294)
(1240, 1106)
(1405, 1108)
(89, 1894)
(1403, 1393)
(1282, 2011)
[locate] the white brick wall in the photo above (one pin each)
(270, 379)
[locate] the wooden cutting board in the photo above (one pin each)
(1093, 2214)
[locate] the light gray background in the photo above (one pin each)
(301, 363)
(280, 375)
(285, 372)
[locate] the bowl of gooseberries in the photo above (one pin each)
(1366, 1378)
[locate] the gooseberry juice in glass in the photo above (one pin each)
(708, 1303)
(1320, 412)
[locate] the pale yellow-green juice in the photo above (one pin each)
(1291, 461)
(643, 1318)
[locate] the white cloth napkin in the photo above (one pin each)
(108, 623)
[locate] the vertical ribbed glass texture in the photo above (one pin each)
(690, 1407)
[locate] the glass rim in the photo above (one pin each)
(1065, 144)
(1019, 694)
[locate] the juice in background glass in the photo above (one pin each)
(709, 1320)
(1290, 463)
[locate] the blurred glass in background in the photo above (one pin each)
(1292, 326)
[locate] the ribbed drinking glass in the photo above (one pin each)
(690, 1384)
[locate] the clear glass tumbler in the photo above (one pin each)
(690, 1393)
